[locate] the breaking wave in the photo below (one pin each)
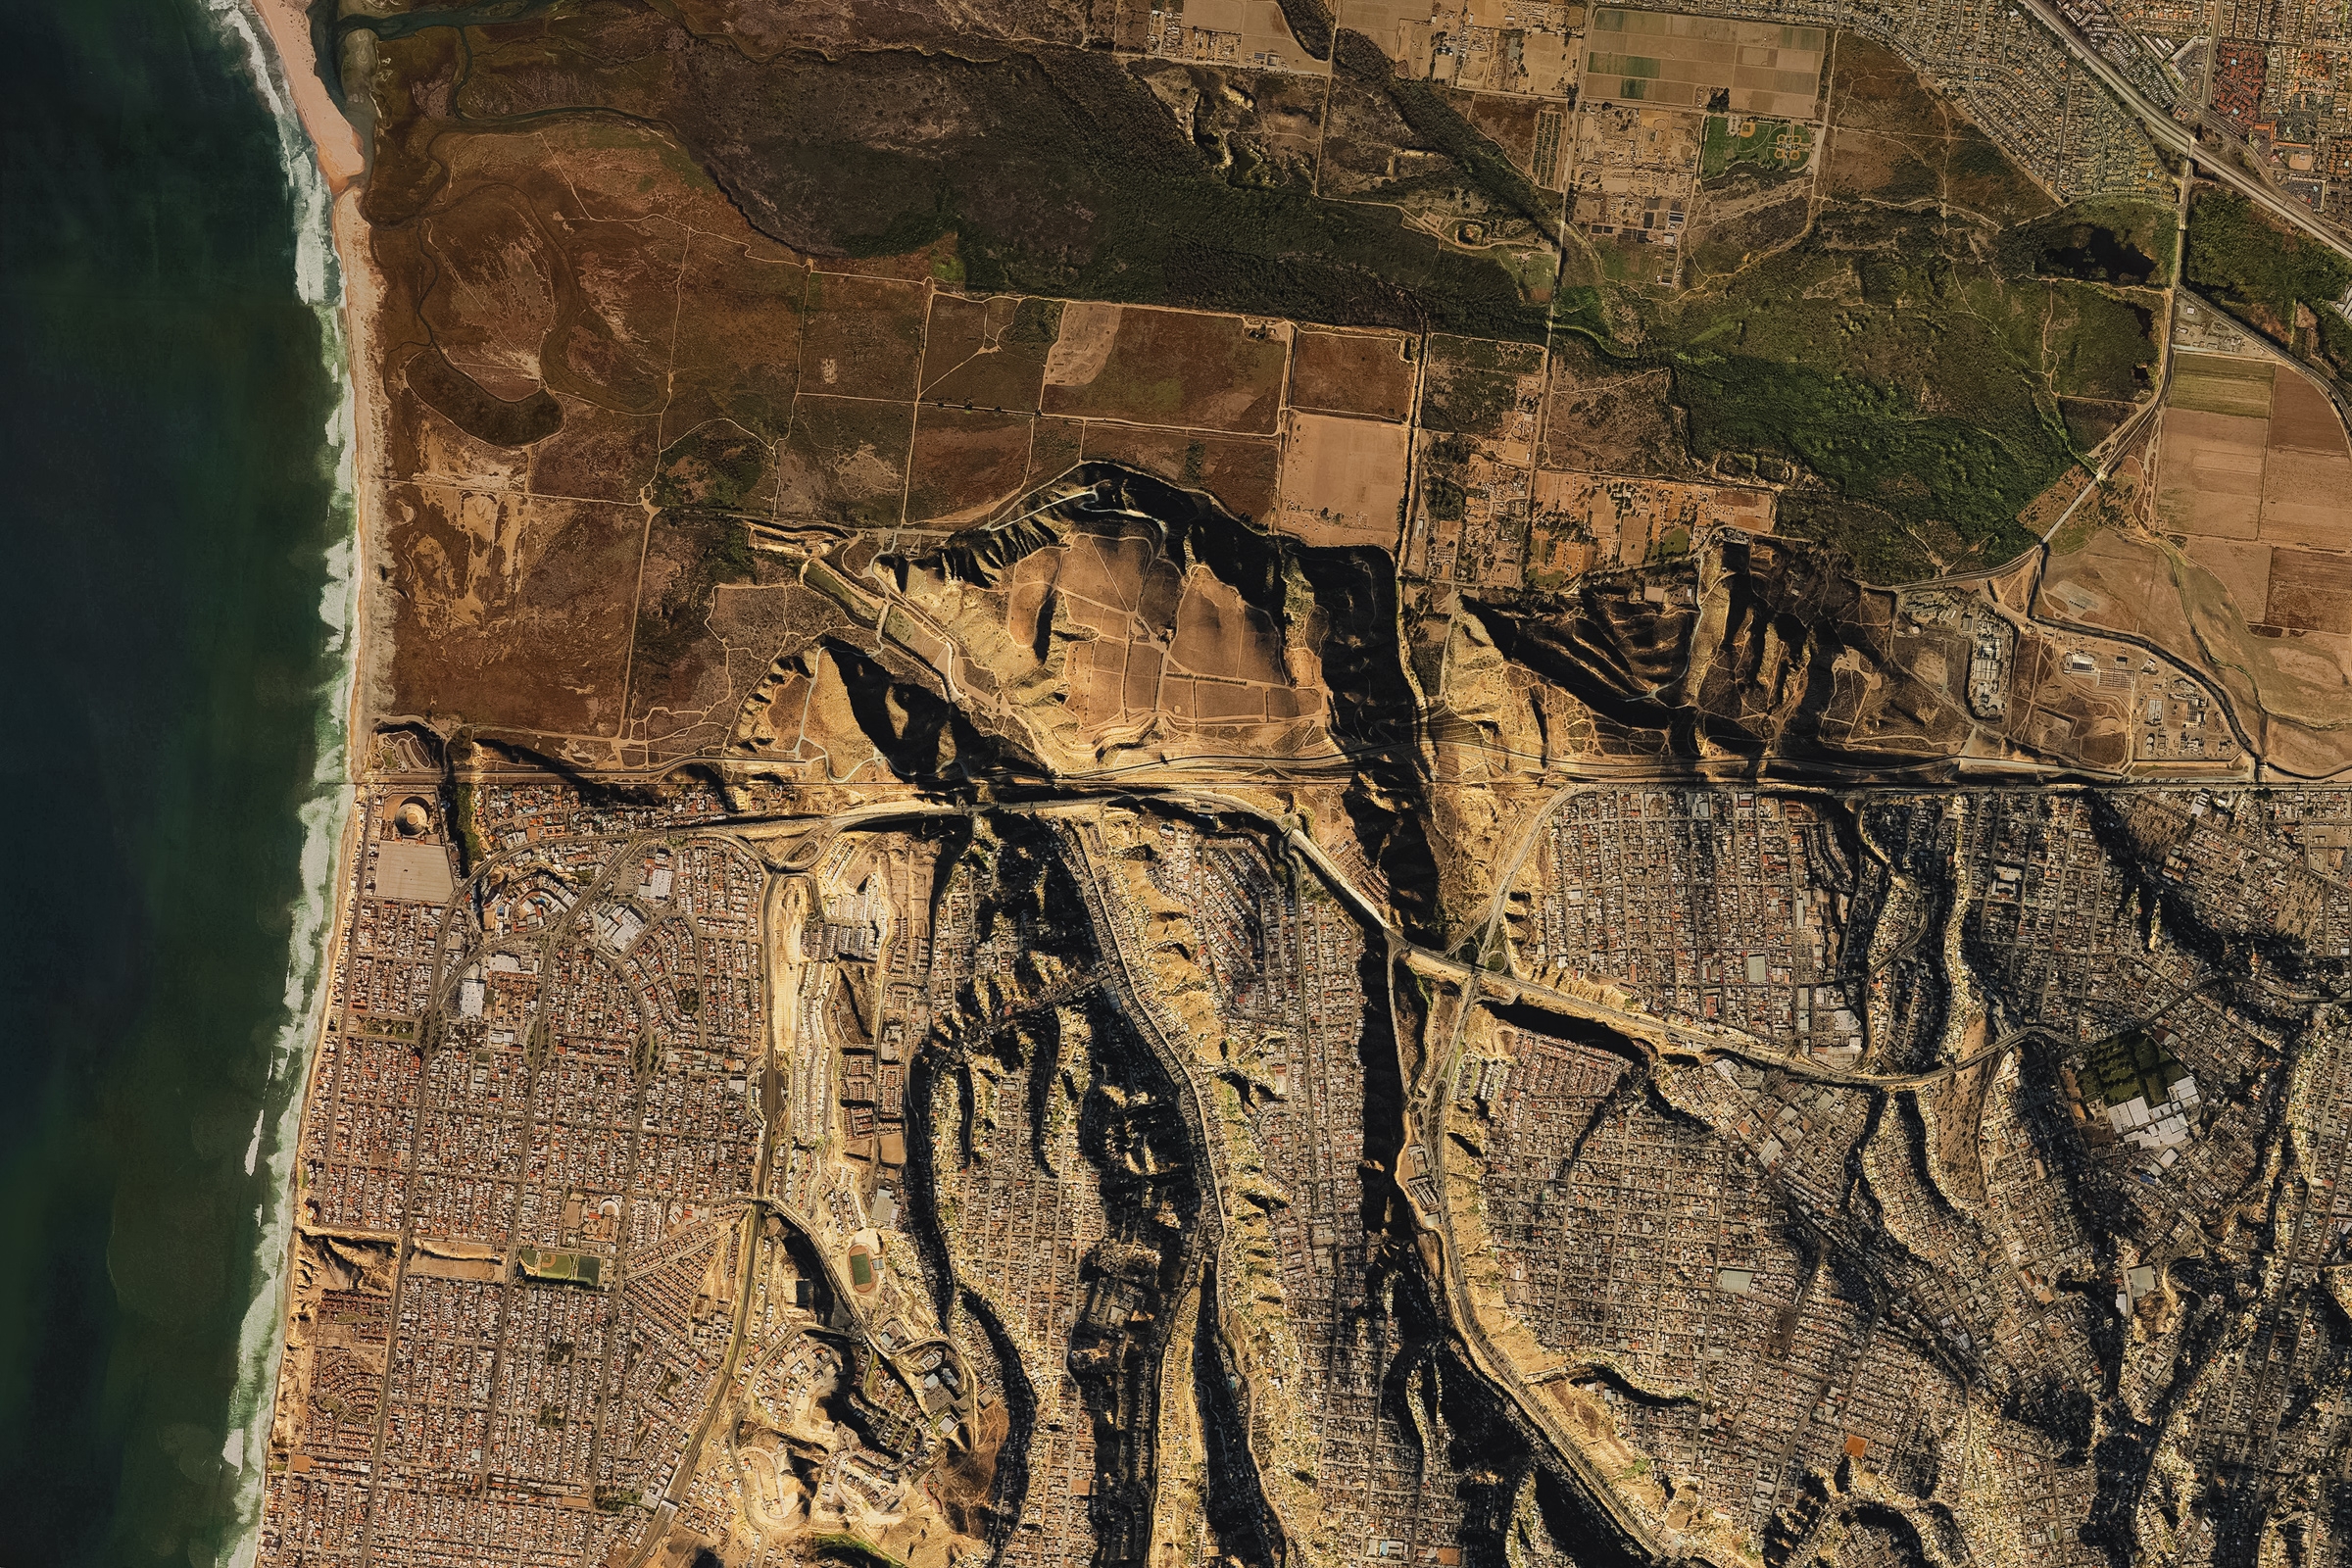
(326, 812)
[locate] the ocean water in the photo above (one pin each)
(173, 590)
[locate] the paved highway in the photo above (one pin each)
(2170, 132)
(797, 844)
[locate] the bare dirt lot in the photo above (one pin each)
(1343, 480)
(2240, 566)
(2189, 603)
(2310, 591)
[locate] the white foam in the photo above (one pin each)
(325, 812)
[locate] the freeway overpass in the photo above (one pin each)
(2167, 131)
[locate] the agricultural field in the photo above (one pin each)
(1243, 472)
(1686, 61)
(2254, 488)
(1343, 480)
(1352, 372)
(1814, 281)
(2248, 481)
(2251, 450)
(1192, 370)
(2309, 591)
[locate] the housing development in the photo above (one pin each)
(1242, 782)
(689, 1171)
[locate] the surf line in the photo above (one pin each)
(325, 812)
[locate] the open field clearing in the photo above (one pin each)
(1343, 480)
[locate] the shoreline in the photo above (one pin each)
(335, 144)
(323, 169)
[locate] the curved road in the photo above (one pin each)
(796, 844)
(2163, 129)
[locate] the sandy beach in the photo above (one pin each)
(343, 164)
(336, 144)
